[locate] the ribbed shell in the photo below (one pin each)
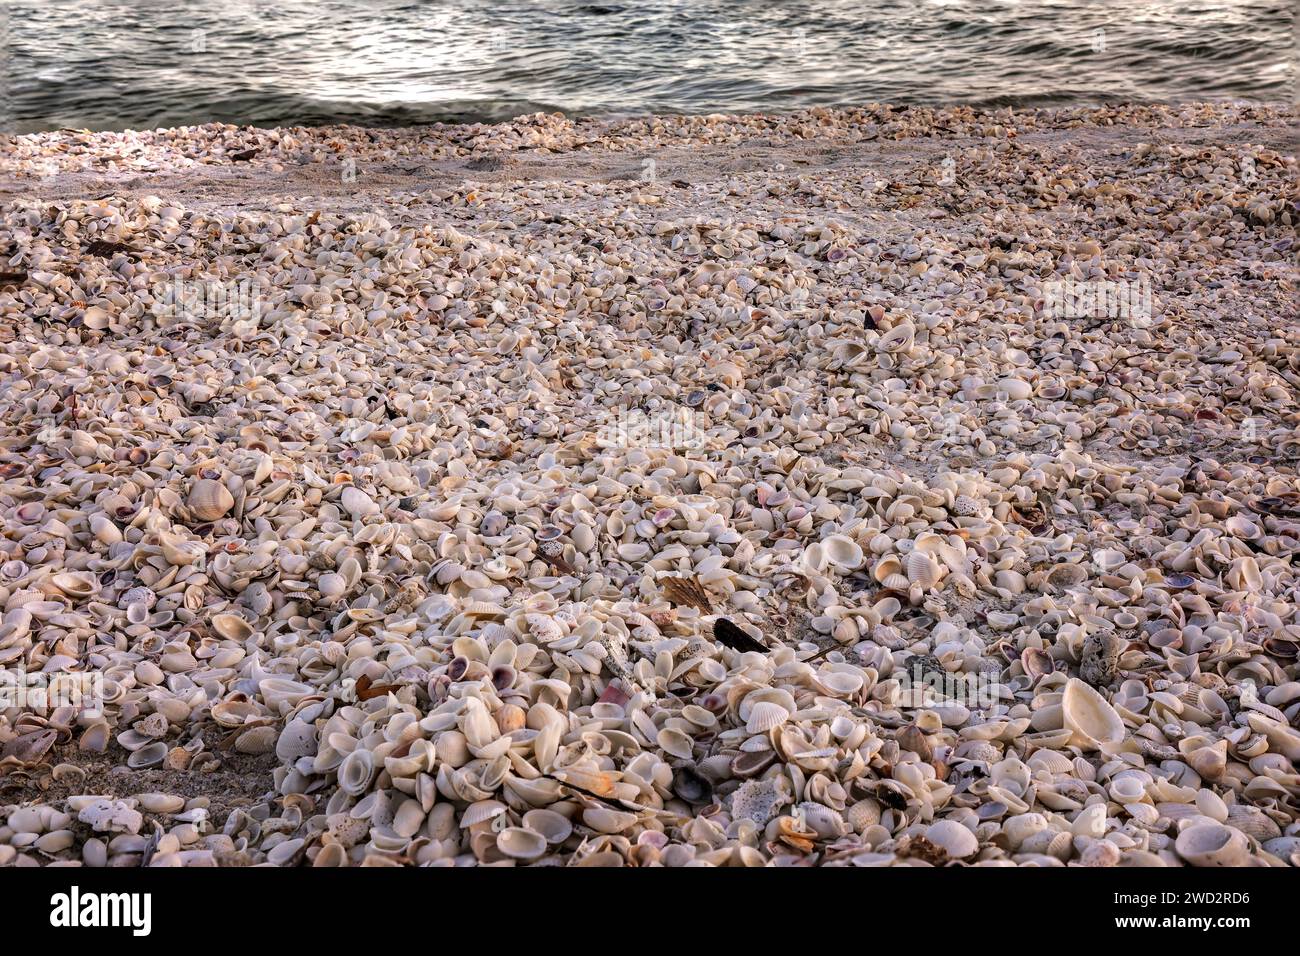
(766, 715)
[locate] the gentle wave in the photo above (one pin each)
(117, 64)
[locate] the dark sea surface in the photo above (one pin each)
(115, 64)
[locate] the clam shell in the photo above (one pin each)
(922, 570)
(298, 739)
(1089, 717)
(554, 827)
(1251, 821)
(481, 811)
(897, 339)
(232, 627)
(1212, 844)
(209, 500)
(357, 503)
(150, 755)
(676, 743)
(842, 552)
(75, 584)
(765, 715)
(954, 839)
(606, 820)
(257, 740)
(520, 843)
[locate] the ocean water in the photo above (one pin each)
(115, 64)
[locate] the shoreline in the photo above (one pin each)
(550, 146)
(409, 491)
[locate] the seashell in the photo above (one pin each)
(68, 773)
(897, 339)
(30, 513)
(554, 827)
(510, 718)
(751, 764)
(231, 627)
(1284, 848)
(391, 520)
(887, 567)
(1127, 790)
(280, 692)
(408, 819)
(676, 743)
(28, 749)
(840, 680)
(297, 740)
(843, 552)
(357, 503)
(520, 843)
(913, 739)
(607, 820)
(922, 570)
(1065, 576)
(331, 587)
(150, 755)
(1092, 721)
(691, 786)
(257, 740)
(209, 500)
(863, 814)
(1015, 389)
(1049, 843)
(285, 852)
(235, 711)
(160, 802)
(1281, 739)
(544, 629)
(1251, 821)
(1037, 663)
(75, 584)
(356, 772)
(955, 840)
(1018, 829)
(824, 821)
(1211, 761)
(1100, 853)
(1212, 844)
(480, 812)
(763, 716)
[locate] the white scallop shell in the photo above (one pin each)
(766, 715)
(481, 811)
(923, 570)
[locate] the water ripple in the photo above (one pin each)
(137, 63)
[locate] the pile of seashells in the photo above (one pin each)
(773, 521)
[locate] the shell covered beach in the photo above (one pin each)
(848, 487)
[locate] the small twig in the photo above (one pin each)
(616, 804)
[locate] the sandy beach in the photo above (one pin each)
(844, 487)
